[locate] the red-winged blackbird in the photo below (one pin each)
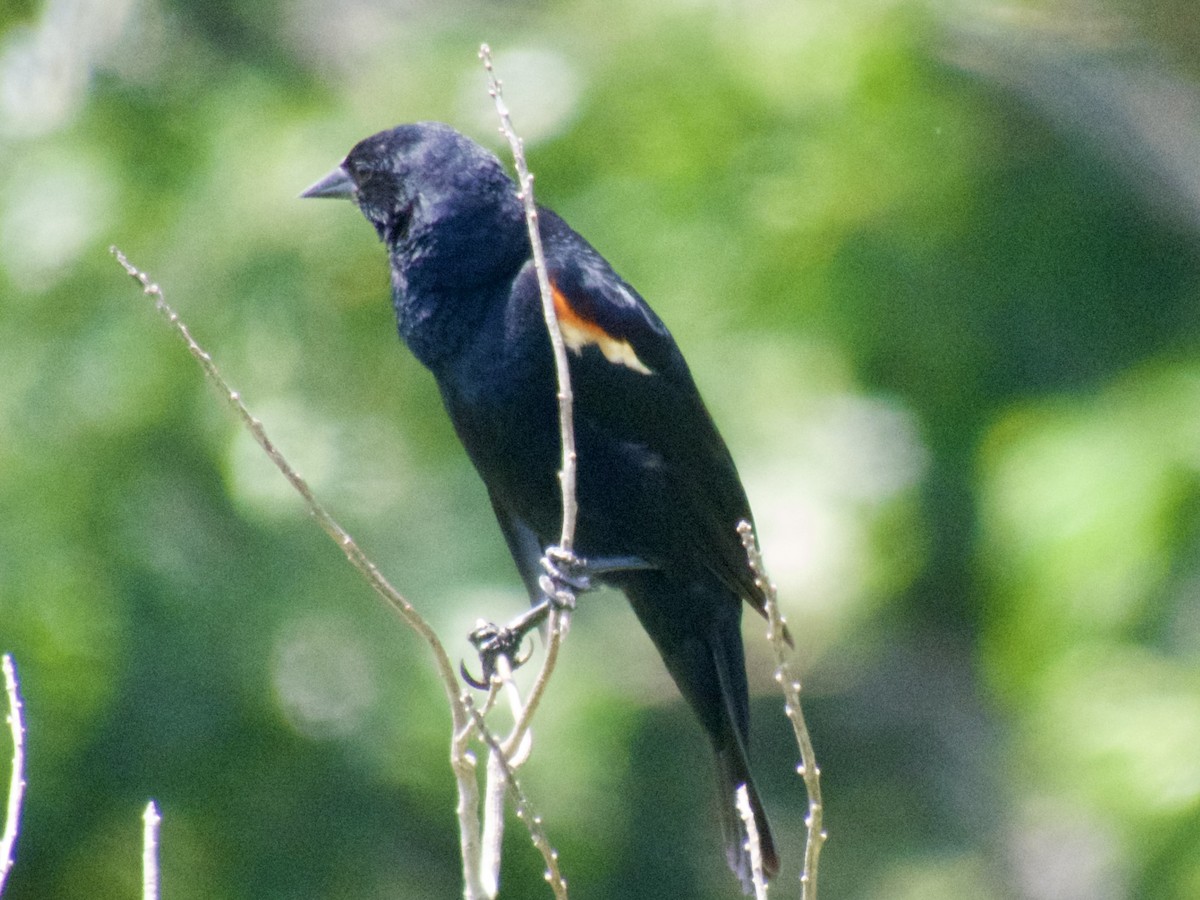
(655, 480)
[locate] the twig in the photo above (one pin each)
(150, 822)
(331, 527)
(556, 627)
(461, 761)
(16, 785)
(566, 399)
(757, 878)
(525, 813)
(815, 835)
(478, 848)
(517, 739)
(492, 841)
(493, 798)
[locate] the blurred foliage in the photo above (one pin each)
(935, 267)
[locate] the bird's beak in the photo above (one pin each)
(337, 183)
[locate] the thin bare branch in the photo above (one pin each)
(499, 762)
(331, 527)
(516, 747)
(461, 761)
(16, 784)
(566, 399)
(525, 812)
(478, 860)
(150, 822)
(757, 878)
(815, 836)
(556, 627)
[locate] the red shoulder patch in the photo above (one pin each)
(579, 331)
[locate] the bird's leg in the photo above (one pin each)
(615, 565)
(566, 576)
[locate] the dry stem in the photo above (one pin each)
(150, 822)
(566, 399)
(757, 877)
(462, 763)
(477, 848)
(16, 785)
(815, 835)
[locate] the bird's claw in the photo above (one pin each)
(494, 643)
(565, 576)
(478, 683)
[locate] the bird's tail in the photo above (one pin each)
(733, 771)
(697, 632)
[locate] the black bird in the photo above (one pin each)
(656, 482)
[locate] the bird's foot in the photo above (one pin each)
(495, 642)
(565, 577)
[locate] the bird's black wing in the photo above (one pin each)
(637, 400)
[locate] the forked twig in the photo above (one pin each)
(517, 739)
(525, 813)
(815, 835)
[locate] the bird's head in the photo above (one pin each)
(423, 178)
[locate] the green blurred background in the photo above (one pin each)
(935, 267)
